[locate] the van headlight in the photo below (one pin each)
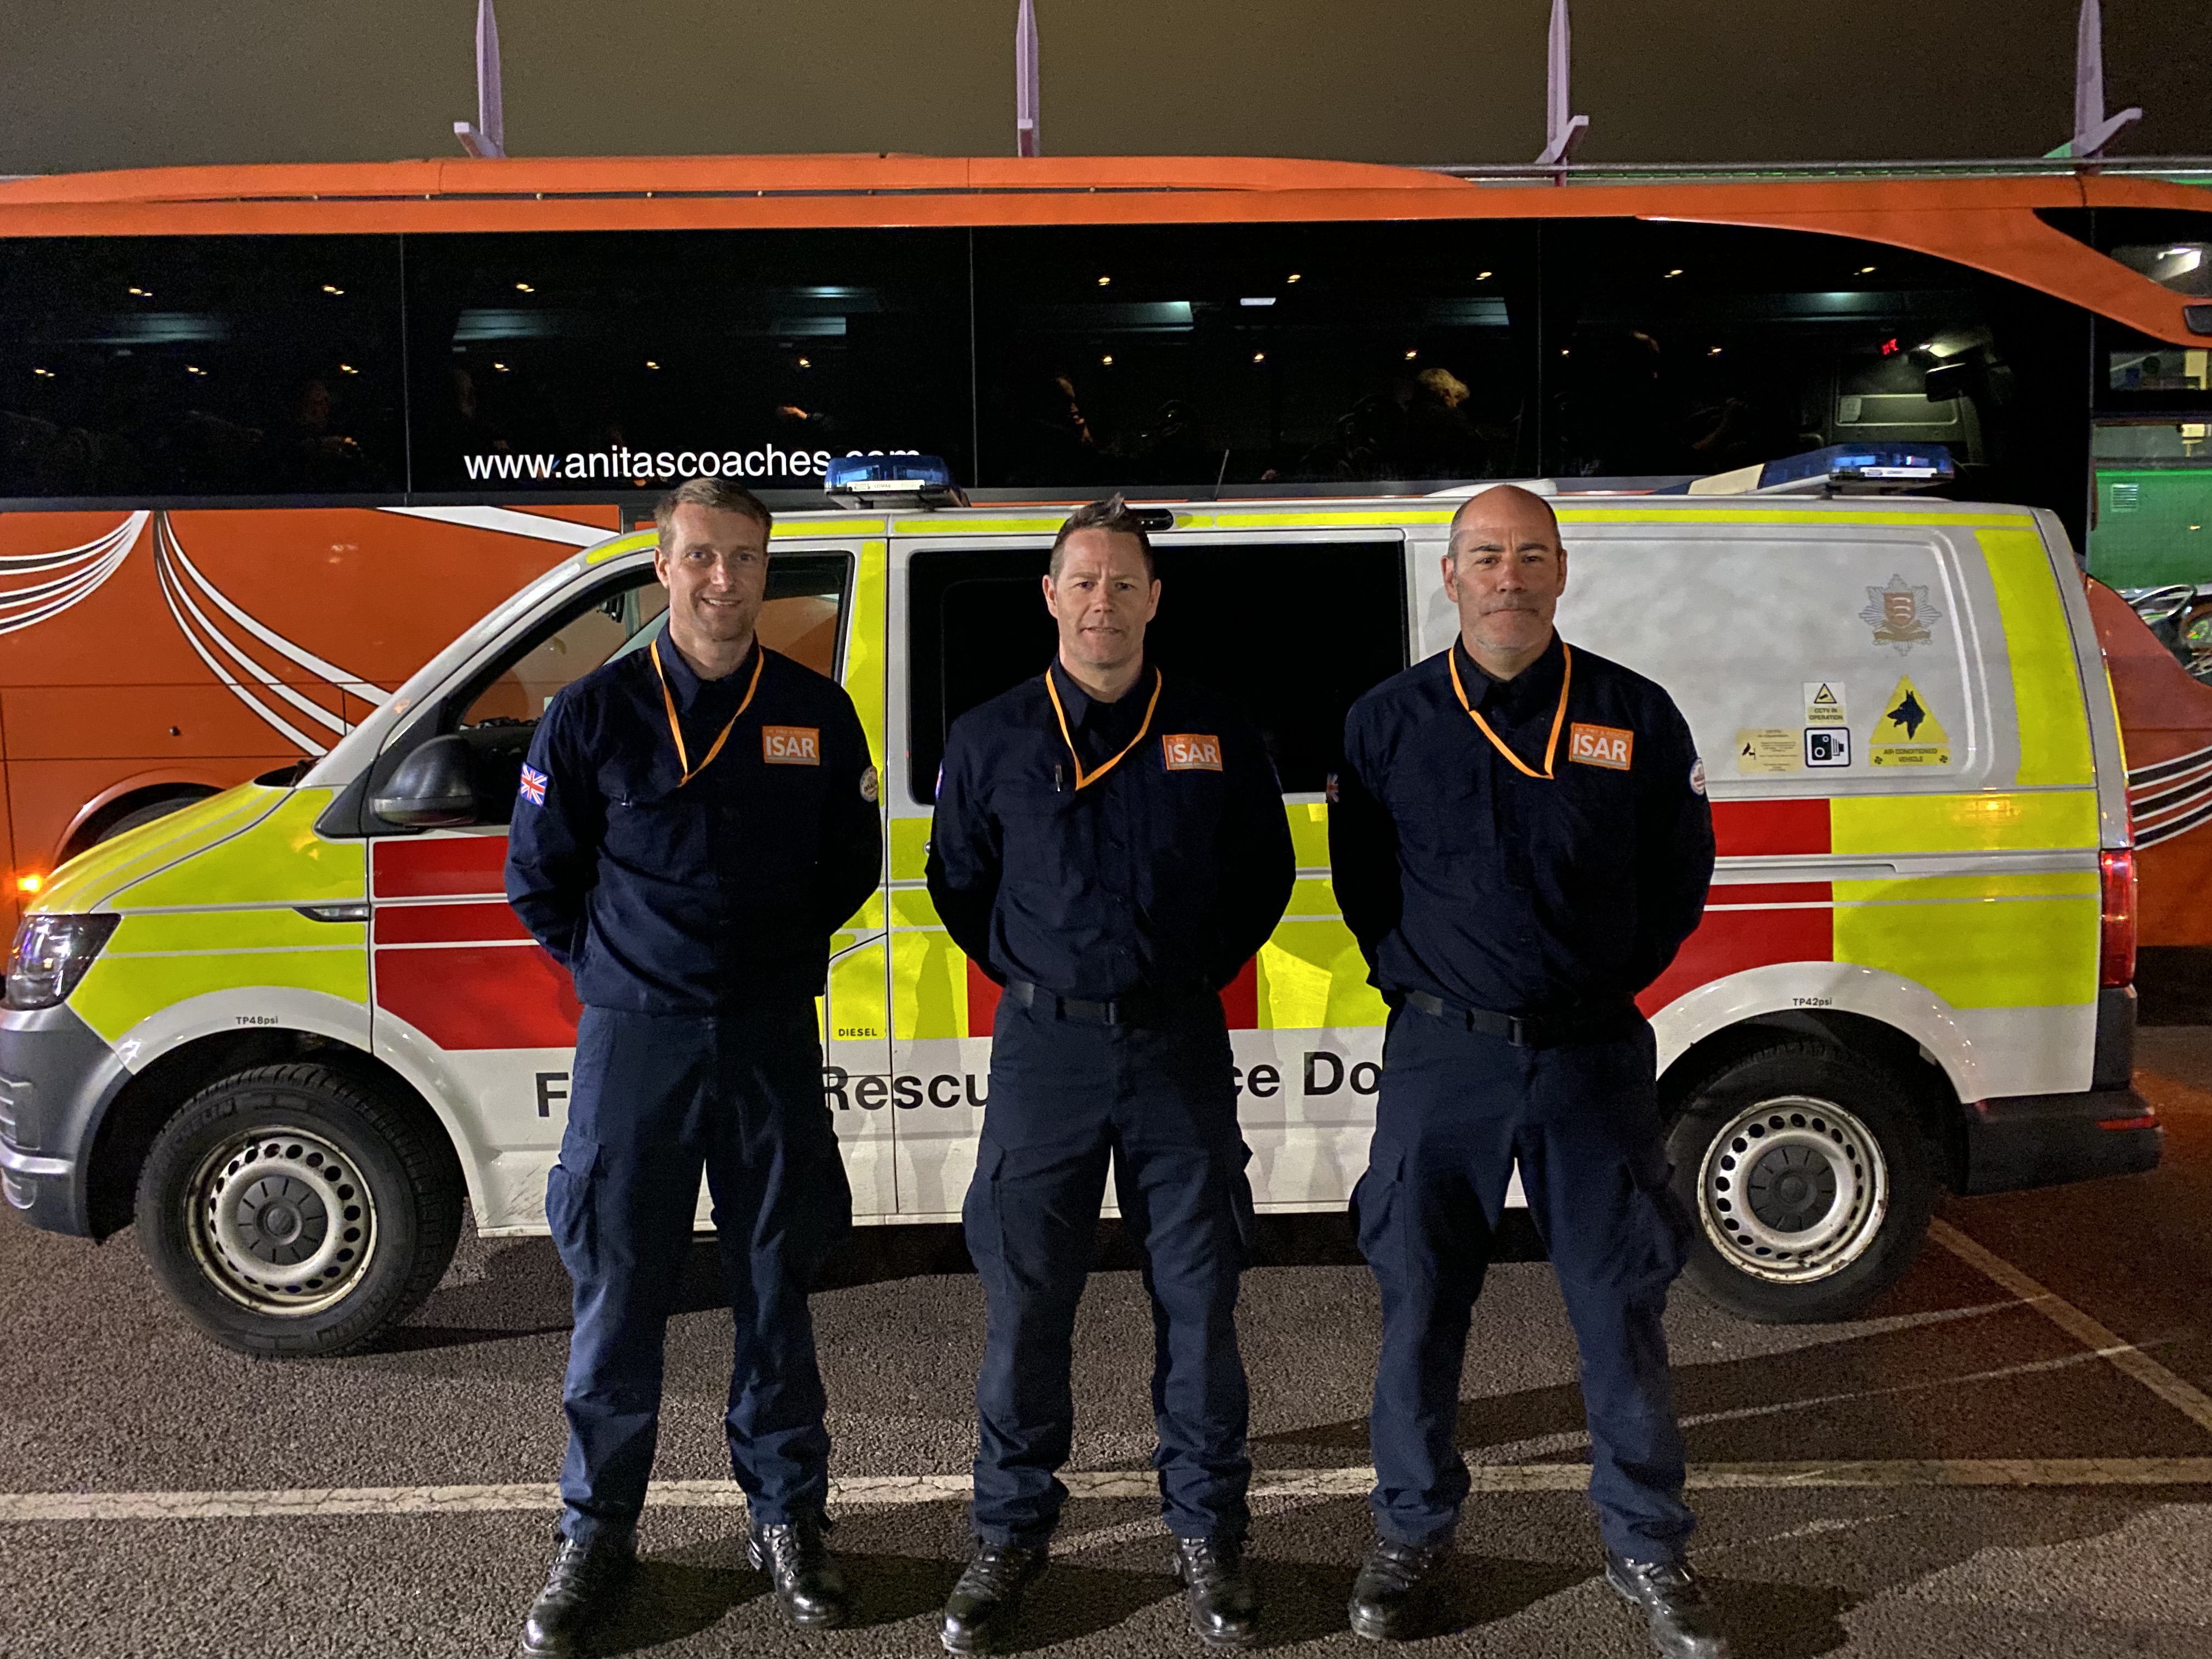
(51, 955)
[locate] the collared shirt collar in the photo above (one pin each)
(1537, 683)
(1083, 710)
(686, 686)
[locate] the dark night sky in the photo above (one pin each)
(93, 83)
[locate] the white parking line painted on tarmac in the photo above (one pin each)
(877, 1491)
(2184, 1397)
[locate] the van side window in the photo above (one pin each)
(1292, 632)
(805, 603)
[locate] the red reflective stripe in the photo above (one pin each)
(449, 865)
(1731, 896)
(983, 994)
(491, 997)
(442, 924)
(1729, 941)
(1765, 828)
(2147, 1120)
(1239, 998)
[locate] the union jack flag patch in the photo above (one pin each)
(533, 785)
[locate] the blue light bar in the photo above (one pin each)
(884, 475)
(1859, 469)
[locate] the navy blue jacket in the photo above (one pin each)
(1167, 874)
(1465, 878)
(710, 898)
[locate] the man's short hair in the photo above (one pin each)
(1113, 513)
(719, 494)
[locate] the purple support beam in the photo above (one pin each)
(486, 137)
(1029, 131)
(1562, 132)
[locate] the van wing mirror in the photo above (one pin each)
(432, 788)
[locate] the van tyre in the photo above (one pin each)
(1808, 1179)
(296, 1211)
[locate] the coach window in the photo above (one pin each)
(978, 627)
(1185, 357)
(212, 366)
(583, 362)
(1675, 351)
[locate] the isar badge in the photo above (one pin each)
(1899, 614)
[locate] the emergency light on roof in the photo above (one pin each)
(1839, 470)
(863, 479)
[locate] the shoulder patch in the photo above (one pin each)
(1609, 746)
(1697, 775)
(533, 785)
(869, 787)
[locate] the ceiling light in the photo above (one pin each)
(1104, 281)
(1107, 362)
(1259, 356)
(524, 288)
(1292, 277)
(332, 288)
(348, 368)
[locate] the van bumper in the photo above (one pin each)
(57, 1078)
(2041, 1140)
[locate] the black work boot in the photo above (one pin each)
(808, 1586)
(980, 1610)
(581, 1584)
(1390, 1597)
(1225, 1608)
(1684, 1623)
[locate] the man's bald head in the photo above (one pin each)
(1506, 509)
(1505, 572)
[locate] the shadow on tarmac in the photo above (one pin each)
(523, 1291)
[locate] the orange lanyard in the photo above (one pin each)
(1082, 777)
(1567, 680)
(682, 759)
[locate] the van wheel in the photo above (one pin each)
(1810, 1181)
(294, 1210)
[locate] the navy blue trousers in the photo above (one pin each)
(1162, 1101)
(1457, 1110)
(654, 1100)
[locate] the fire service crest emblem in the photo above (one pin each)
(1899, 614)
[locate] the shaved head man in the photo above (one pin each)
(1521, 843)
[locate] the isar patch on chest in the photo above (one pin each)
(1191, 751)
(1609, 746)
(791, 745)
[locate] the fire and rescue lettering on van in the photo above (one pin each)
(1908, 976)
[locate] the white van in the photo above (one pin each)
(1914, 971)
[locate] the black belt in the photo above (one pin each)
(1522, 1030)
(1137, 1008)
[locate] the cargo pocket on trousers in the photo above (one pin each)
(1229, 1168)
(571, 1209)
(978, 1213)
(1377, 1200)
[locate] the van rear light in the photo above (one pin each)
(2116, 957)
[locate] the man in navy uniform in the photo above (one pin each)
(1110, 845)
(695, 819)
(1520, 842)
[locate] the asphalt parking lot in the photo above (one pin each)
(1961, 1473)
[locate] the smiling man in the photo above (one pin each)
(1111, 845)
(695, 819)
(1521, 843)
